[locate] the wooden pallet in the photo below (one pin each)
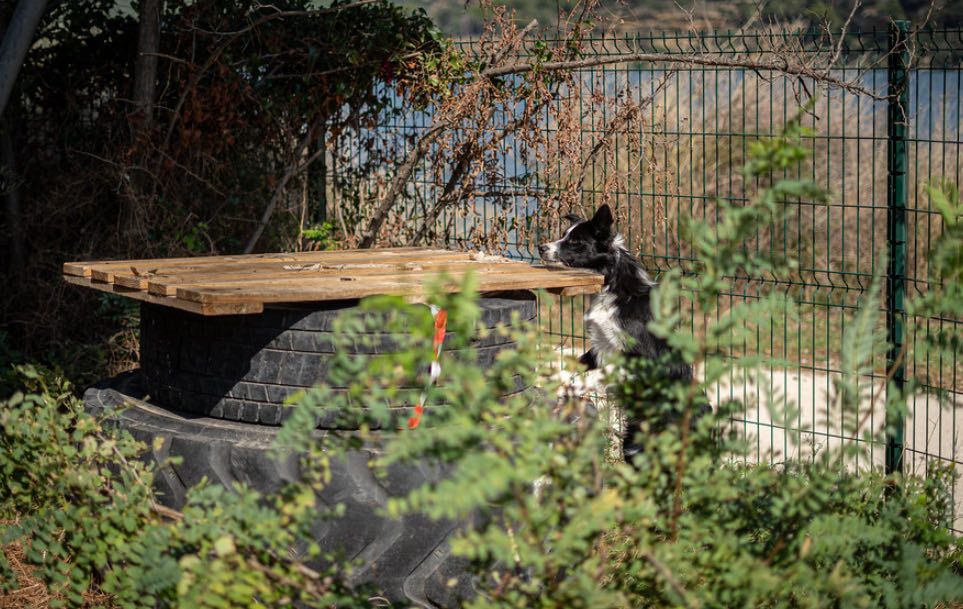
(227, 285)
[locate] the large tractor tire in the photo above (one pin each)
(243, 367)
(226, 437)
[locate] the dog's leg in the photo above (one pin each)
(589, 360)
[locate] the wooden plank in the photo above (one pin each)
(339, 288)
(168, 286)
(424, 273)
(376, 272)
(163, 276)
(133, 276)
(177, 303)
(85, 268)
(222, 285)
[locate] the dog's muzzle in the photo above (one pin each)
(549, 251)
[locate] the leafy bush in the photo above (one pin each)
(551, 517)
(944, 298)
(689, 523)
(83, 509)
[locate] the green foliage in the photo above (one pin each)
(944, 296)
(569, 526)
(551, 517)
(81, 505)
(690, 523)
(321, 236)
(723, 259)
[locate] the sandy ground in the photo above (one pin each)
(814, 423)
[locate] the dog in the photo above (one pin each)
(617, 320)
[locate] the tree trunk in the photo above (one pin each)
(145, 79)
(16, 42)
(11, 181)
(145, 69)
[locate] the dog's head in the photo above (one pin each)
(587, 244)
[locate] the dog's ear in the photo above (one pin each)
(574, 219)
(603, 219)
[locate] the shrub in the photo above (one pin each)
(82, 507)
(689, 523)
(550, 516)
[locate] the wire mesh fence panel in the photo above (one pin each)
(934, 425)
(697, 124)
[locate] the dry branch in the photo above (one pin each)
(232, 37)
(370, 234)
(781, 64)
(465, 158)
(450, 195)
(296, 167)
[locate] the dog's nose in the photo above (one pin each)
(543, 248)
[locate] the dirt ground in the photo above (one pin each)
(813, 422)
(31, 592)
(816, 423)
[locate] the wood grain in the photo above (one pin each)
(226, 285)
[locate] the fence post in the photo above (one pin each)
(897, 119)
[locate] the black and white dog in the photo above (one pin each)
(616, 323)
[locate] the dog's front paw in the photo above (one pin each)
(589, 360)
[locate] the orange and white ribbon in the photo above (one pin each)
(441, 323)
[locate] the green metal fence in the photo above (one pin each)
(873, 154)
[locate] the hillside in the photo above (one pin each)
(459, 18)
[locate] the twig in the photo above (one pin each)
(189, 172)
(297, 167)
(679, 474)
(504, 194)
(161, 510)
(281, 14)
(890, 374)
(449, 195)
(498, 55)
(370, 234)
(216, 53)
(842, 37)
(626, 118)
(670, 579)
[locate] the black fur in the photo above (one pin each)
(623, 309)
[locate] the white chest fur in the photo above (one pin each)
(602, 326)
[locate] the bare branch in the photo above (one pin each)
(842, 36)
(779, 64)
(232, 37)
(669, 578)
(370, 234)
(449, 195)
(297, 167)
(279, 14)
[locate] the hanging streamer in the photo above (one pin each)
(434, 371)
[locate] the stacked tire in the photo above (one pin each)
(211, 391)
